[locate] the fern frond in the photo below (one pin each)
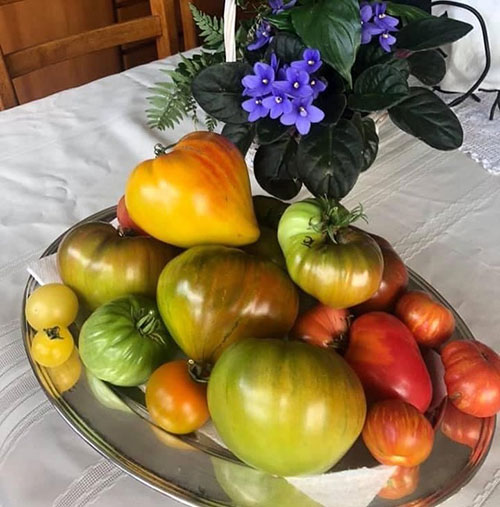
(210, 123)
(211, 28)
(172, 100)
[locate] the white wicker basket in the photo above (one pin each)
(230, 30)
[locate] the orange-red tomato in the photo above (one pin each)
(403, 482)
(126, 223)
(175, 401)
(472, 377)
(396, 433)
(460, 427)
(321, 325)
(429, 321)
(394, 281)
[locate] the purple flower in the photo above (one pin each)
(281, 74)
(381, 19)
(296, 83)
(275, 63)
(311, 61)
(368, 30)
(255, 108)
(317, 85)
(278, 6)
(259, 83)
(278, 104)
(262, 36)
(303, 113)
(386, 41)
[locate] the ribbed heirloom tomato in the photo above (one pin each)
(175, 401)
(339, 265)
(285, 407)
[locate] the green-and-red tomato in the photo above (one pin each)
(472, 377)
(99, 264)
(52, 346)
(212, 296)
(430, 322)
(267, 246)
(323, 326)
(386, 357)
(286, 407)
(175, 401)
(124, 341)
(51, 305)
(396, 433)
(339, 265)
(394, 281)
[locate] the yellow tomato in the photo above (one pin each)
(52, 346)
(51, 305)
(64, 377)
(198, 193)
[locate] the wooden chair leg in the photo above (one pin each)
(8, 97)
(188, 26)
(167, 44)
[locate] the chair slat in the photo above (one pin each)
(8, 96)
(29, 59)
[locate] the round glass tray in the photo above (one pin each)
(196, 471)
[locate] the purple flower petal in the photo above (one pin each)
(262, 36)
(303, 125)
(366, 12)
(386, 41)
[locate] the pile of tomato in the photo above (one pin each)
(287, 325)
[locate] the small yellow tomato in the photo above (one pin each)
(52, 346)
(65, 376)
(51, 305)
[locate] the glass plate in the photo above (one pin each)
(196, 471)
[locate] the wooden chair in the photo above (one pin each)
(212, 7)
(161, 26)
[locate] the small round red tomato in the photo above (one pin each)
(322, 326)
(176, 401)
(396, 433)
(430, 322)
(126, 223)
(403, 482)
(394, 281)
(472, 377)
(460, 427)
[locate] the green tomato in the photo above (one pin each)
(268, 210)
(104, 395)
(285, 407)
(341, 266)
(267, 246)
(124, 341)
(248, 487)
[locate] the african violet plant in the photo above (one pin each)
(309, 77)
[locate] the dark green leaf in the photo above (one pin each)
(218, 90)
(334, 28)
(428, 66)
(275, 168)
(402, 65)
(427, 117)
(430, 33)
(282, 21)
(287, 46)
(371, 54)
(241, 135)
(407, 13)
(268, 210)
(332, 104)
(368, 130)
(269, 130)
(378, 87)
(330, 159)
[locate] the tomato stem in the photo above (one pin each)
(53, 333)
(199, 372)
(147, 325)
(159, 149)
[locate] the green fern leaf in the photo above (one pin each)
(211, 29)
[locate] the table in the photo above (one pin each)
(67, 156)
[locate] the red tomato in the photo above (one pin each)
(394, 281)
(175, 401)
(430, 322)
(126, 223)
(386, 357)
(396, 433)
(472, 377)
(403, 482)
(459, 427)
(322, 326)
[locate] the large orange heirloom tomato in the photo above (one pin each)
(198, 193)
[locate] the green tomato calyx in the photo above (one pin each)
(199, 372)
(335, 216)
(53, 333)
(148, 326)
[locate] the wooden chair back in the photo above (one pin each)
(212, 7)
(161, 25)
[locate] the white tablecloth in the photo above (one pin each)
(67, 156)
